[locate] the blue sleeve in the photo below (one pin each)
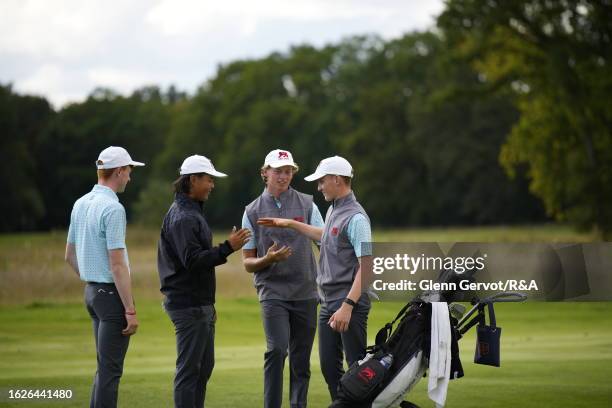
(359, 233)
(71, 231)
(114, 227)
(316, 220)
(251, 243)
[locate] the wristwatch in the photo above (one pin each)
(350, 302)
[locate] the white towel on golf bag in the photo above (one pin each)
(440, 354)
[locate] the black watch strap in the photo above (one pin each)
(350, 302)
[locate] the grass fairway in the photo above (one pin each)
(553, 355)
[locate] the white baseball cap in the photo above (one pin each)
(199, 164)
(335, 165)
(113, 157)
(279, 158)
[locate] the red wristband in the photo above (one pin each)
(130, 313)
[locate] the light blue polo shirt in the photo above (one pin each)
(97, 225)
(360, 235)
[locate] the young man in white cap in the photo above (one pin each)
(345, 241)
(186, 263)
(97, 252)
(284, 272)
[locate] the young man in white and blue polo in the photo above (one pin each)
(284, 273)
(97, 252)
(345, 240)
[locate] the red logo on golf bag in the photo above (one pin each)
(483, 348)
(334, 231)
(299, 219)
(283, 155)
(366, 375)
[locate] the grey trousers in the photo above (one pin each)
(290, 327)
(108, 316)
(194, 328)
(332, 345)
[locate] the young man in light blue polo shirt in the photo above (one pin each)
(96, 250)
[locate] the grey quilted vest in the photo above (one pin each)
(294, 278)
(338, 262)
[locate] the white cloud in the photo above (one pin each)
(58, 28)
(123, 80)
(47, 77)
(64, 49)
(52, 80)
(184, 17)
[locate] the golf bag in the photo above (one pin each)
(400, 351)
(399, 358)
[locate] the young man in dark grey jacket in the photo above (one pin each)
(186, 264)
(345, 241)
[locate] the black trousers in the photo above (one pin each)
(290, 327)
(334, 346)
(108, 316)
(194, 328)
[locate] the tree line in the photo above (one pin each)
(498, 114)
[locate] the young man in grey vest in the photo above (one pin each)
(345, 240)
(96, 250)
(186, 261)
(284, 272)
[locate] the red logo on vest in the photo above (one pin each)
(367, 374)
(283, 155)
(299, 219)
(334, 231)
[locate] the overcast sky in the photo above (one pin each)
(63, 49)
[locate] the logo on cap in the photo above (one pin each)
(283, 155)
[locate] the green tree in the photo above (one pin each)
(22, 119)
(246, 110)
(425, 137)
(71, 143)
(421, 131)
(556, 59)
